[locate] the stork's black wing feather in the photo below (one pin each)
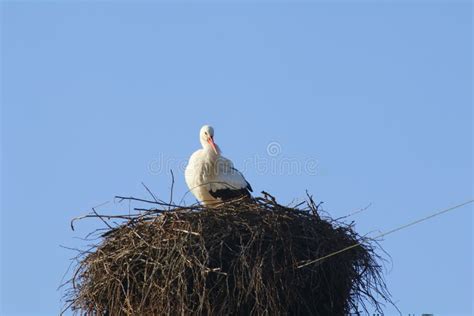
(229, 194)
(248, 187)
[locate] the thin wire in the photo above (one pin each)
(386, 233)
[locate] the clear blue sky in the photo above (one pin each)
(95, 95)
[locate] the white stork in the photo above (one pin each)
(211, 177)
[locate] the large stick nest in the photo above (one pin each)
(246, 257)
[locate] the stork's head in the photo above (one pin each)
(206, 136)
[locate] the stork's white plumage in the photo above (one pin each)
(211, 177)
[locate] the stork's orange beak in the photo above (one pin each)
(210, 140)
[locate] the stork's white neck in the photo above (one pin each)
(209, 150)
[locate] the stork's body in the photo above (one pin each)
(211, 177)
